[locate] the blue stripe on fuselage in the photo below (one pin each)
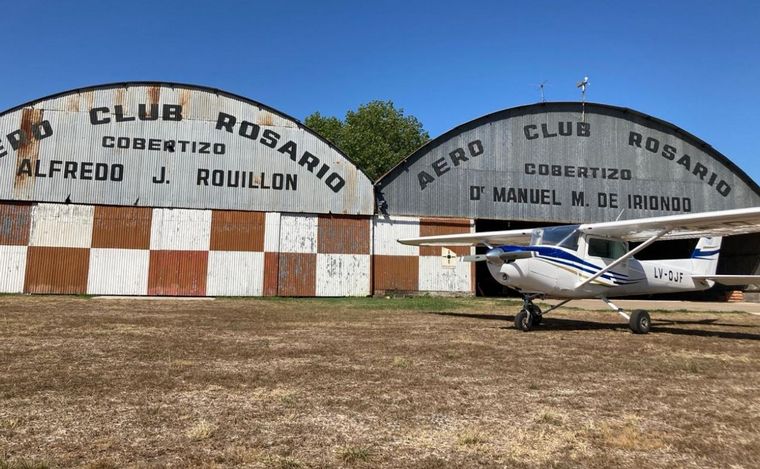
(563, 257)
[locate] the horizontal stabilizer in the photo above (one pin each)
(731, 279)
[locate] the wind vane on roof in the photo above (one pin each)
(541, 87)
(583, 84)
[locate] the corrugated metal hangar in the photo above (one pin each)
(167, 189)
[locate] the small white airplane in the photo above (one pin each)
(593, 260)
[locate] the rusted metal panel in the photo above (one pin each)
(235, 273)
(178, 273)
(339, 234)
(121, 227)
(118, 271)
(28, 147)
(237, 231)
(553, 162)
(343, 275)
(271, 273)
(399, 273)
(297, 275)
(12, 268)
(166, 145)
(443, 226)
(56, 270)
(15, 223)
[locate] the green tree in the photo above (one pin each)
(376, 136)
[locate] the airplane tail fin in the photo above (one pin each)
(705, 255)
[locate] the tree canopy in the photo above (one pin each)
(376, 136)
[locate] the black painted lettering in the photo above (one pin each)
(270, 138)
(118, 112)
(117, 172)
(309, 161)
(290, 148)
(225, 122)
(584, 129)
(476, 148)
(85, 170)
(440, 167)
(24, 168)
(669, 152)
(634, 139)
(17, 138)
(545, 131)
(172, 112)
(147, 116)
(249, 130)
(335, 182)
(96, 118)
(217, 177)
(723, 188)
(530, 132)
(458, 156)
(700, 170)
(202, 178)
(652, 144)
(424, 179)
(70, 170)
(685, 161)
(42, 130)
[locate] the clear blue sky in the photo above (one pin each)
(695, 64)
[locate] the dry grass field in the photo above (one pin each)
(421, 382)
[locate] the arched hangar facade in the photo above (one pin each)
(165, 189)
(552, 163)
(168, 189)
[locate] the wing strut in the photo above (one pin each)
(624, 257)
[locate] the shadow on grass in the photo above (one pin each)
(659, 326)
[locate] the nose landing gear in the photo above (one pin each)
(529, 316)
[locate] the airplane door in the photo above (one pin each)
(602, 252)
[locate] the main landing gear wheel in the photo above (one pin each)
(524, 320)
(640, 322)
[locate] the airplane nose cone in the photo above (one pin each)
(509, 272)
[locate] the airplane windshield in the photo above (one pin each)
(565, 236)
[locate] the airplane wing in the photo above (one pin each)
(691, 225)
(485, 238)
(731, 279)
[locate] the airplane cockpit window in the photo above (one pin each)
(565, 236)
(609, 248)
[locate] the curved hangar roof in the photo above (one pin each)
(172, 145)
(555, 162)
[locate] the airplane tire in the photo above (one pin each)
(536, 313)
(524, 321)
(640, 322)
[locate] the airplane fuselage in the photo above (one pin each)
(557, 272)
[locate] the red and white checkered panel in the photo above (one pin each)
(398, 267)
(57, 248)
